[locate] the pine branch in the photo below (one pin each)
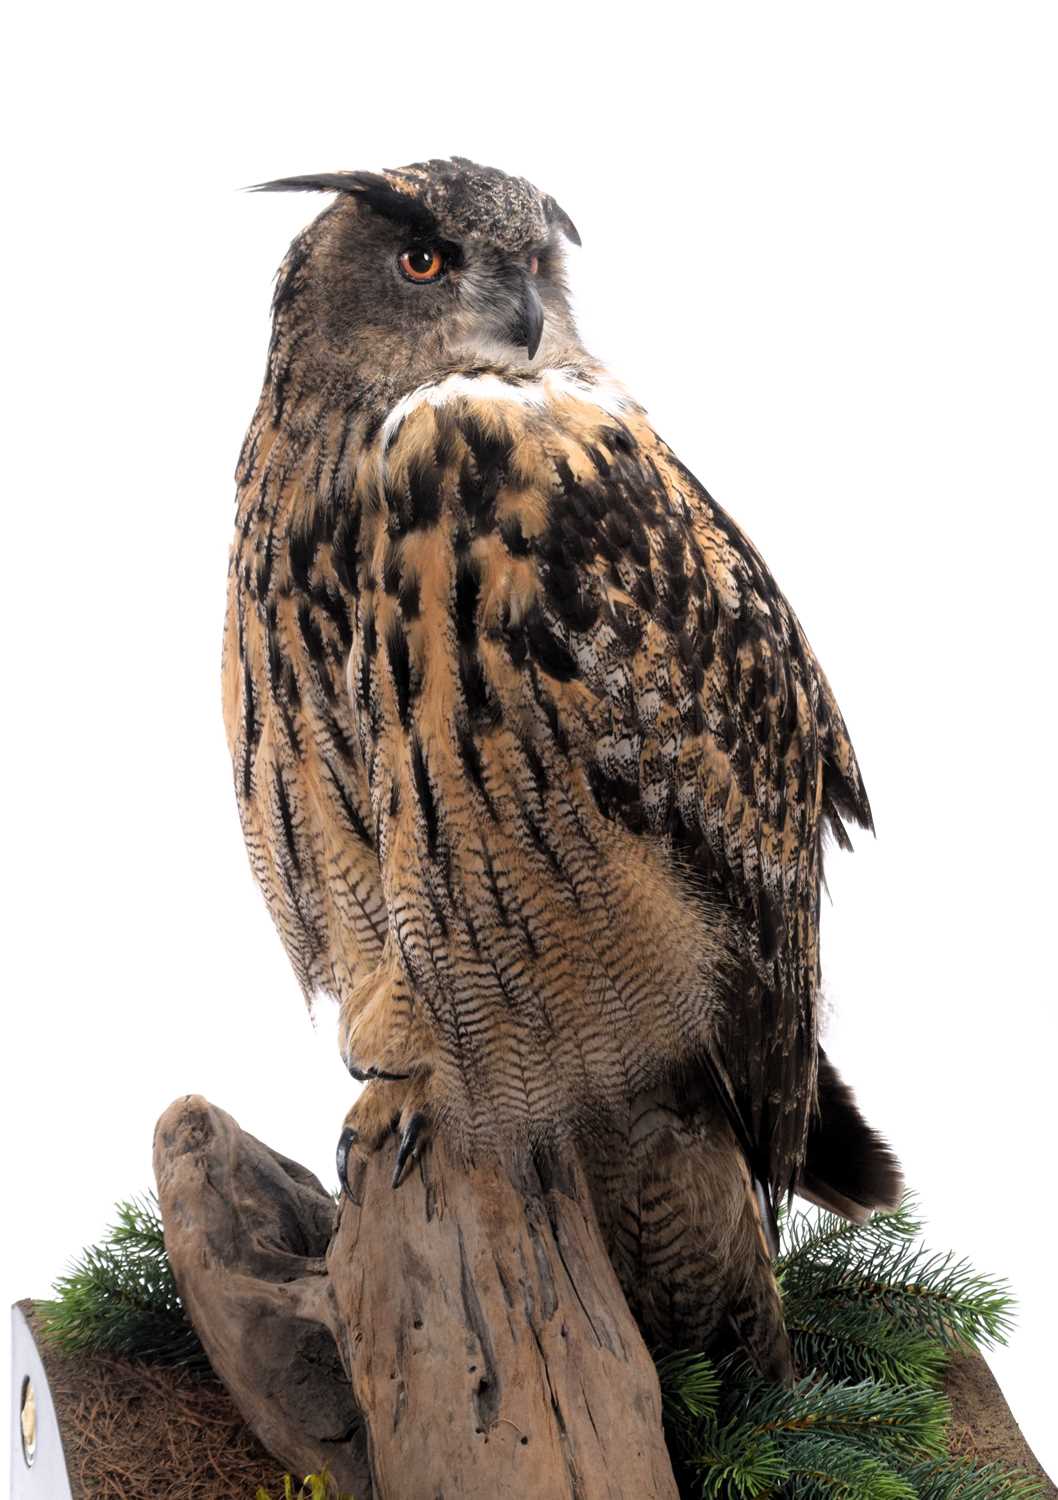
(962, 1479)
(827, 1468)
(891, 1419)
(874, 1315)
(817, 1438)
(690, 1384)
(810, 1236)
(835, 1271)
(727, 1461)
(120, 1296)
(861, 1343)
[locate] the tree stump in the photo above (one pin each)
(464, 1336)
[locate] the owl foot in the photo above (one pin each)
(383, 1110)
(412, 1137)
(378, 1036)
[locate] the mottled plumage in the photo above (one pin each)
(533, 758)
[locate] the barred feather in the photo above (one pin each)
(534, 761)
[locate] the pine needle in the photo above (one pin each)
(873, 1315)
(119, 1297)
(690, 1384)
(963, 1479)
(822, 1468)
(918, 1290)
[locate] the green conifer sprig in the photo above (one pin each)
(819, 1440)
(962, 1479)
(874, 1316)
(880, 1267)
(119, 1297)
(762, 1440)
(690, 1385)
(808, 1234)
(870, 1302)
(820, 1468)
(893, 1419)
(861, 1343)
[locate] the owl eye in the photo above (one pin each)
(422, 263)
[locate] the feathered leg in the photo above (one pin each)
(681, 1220)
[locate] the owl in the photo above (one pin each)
(534, 762)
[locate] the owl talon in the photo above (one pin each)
(383, 1110)
(347, 1139)
(409, 1146)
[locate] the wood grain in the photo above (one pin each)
(246, 1231)
(490, 1348)
(487, 1347)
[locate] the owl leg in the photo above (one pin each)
(386, 1109)
(379, 1034)
(686, 1235)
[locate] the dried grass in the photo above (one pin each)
(135, 1431)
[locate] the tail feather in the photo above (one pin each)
(848, 1167)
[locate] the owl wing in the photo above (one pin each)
(717, 729)
(674, 675)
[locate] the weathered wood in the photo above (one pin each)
(246, 1231)
(490, 1348)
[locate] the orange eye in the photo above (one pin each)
(422, 263)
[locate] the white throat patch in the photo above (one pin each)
(549, 385)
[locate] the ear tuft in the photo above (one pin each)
(557, 215)
(373, 190)
(314, 182)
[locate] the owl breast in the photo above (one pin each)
(428, 729)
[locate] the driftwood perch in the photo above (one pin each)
(247, 1231)
(465, 1336)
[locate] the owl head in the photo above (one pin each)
(414, 273)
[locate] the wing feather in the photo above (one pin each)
(599, 591)
(712, 724)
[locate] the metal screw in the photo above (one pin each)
(28, 1422)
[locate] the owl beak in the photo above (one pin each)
(530, 325)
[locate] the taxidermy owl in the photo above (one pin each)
(533, 759)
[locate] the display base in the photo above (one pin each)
(118, 1429)
(124, 1430)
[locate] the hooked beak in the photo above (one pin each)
(529, 325)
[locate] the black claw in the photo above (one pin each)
(408, 1148)
(347, 1138)
(768, 1222)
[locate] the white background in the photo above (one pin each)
(819, 244)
